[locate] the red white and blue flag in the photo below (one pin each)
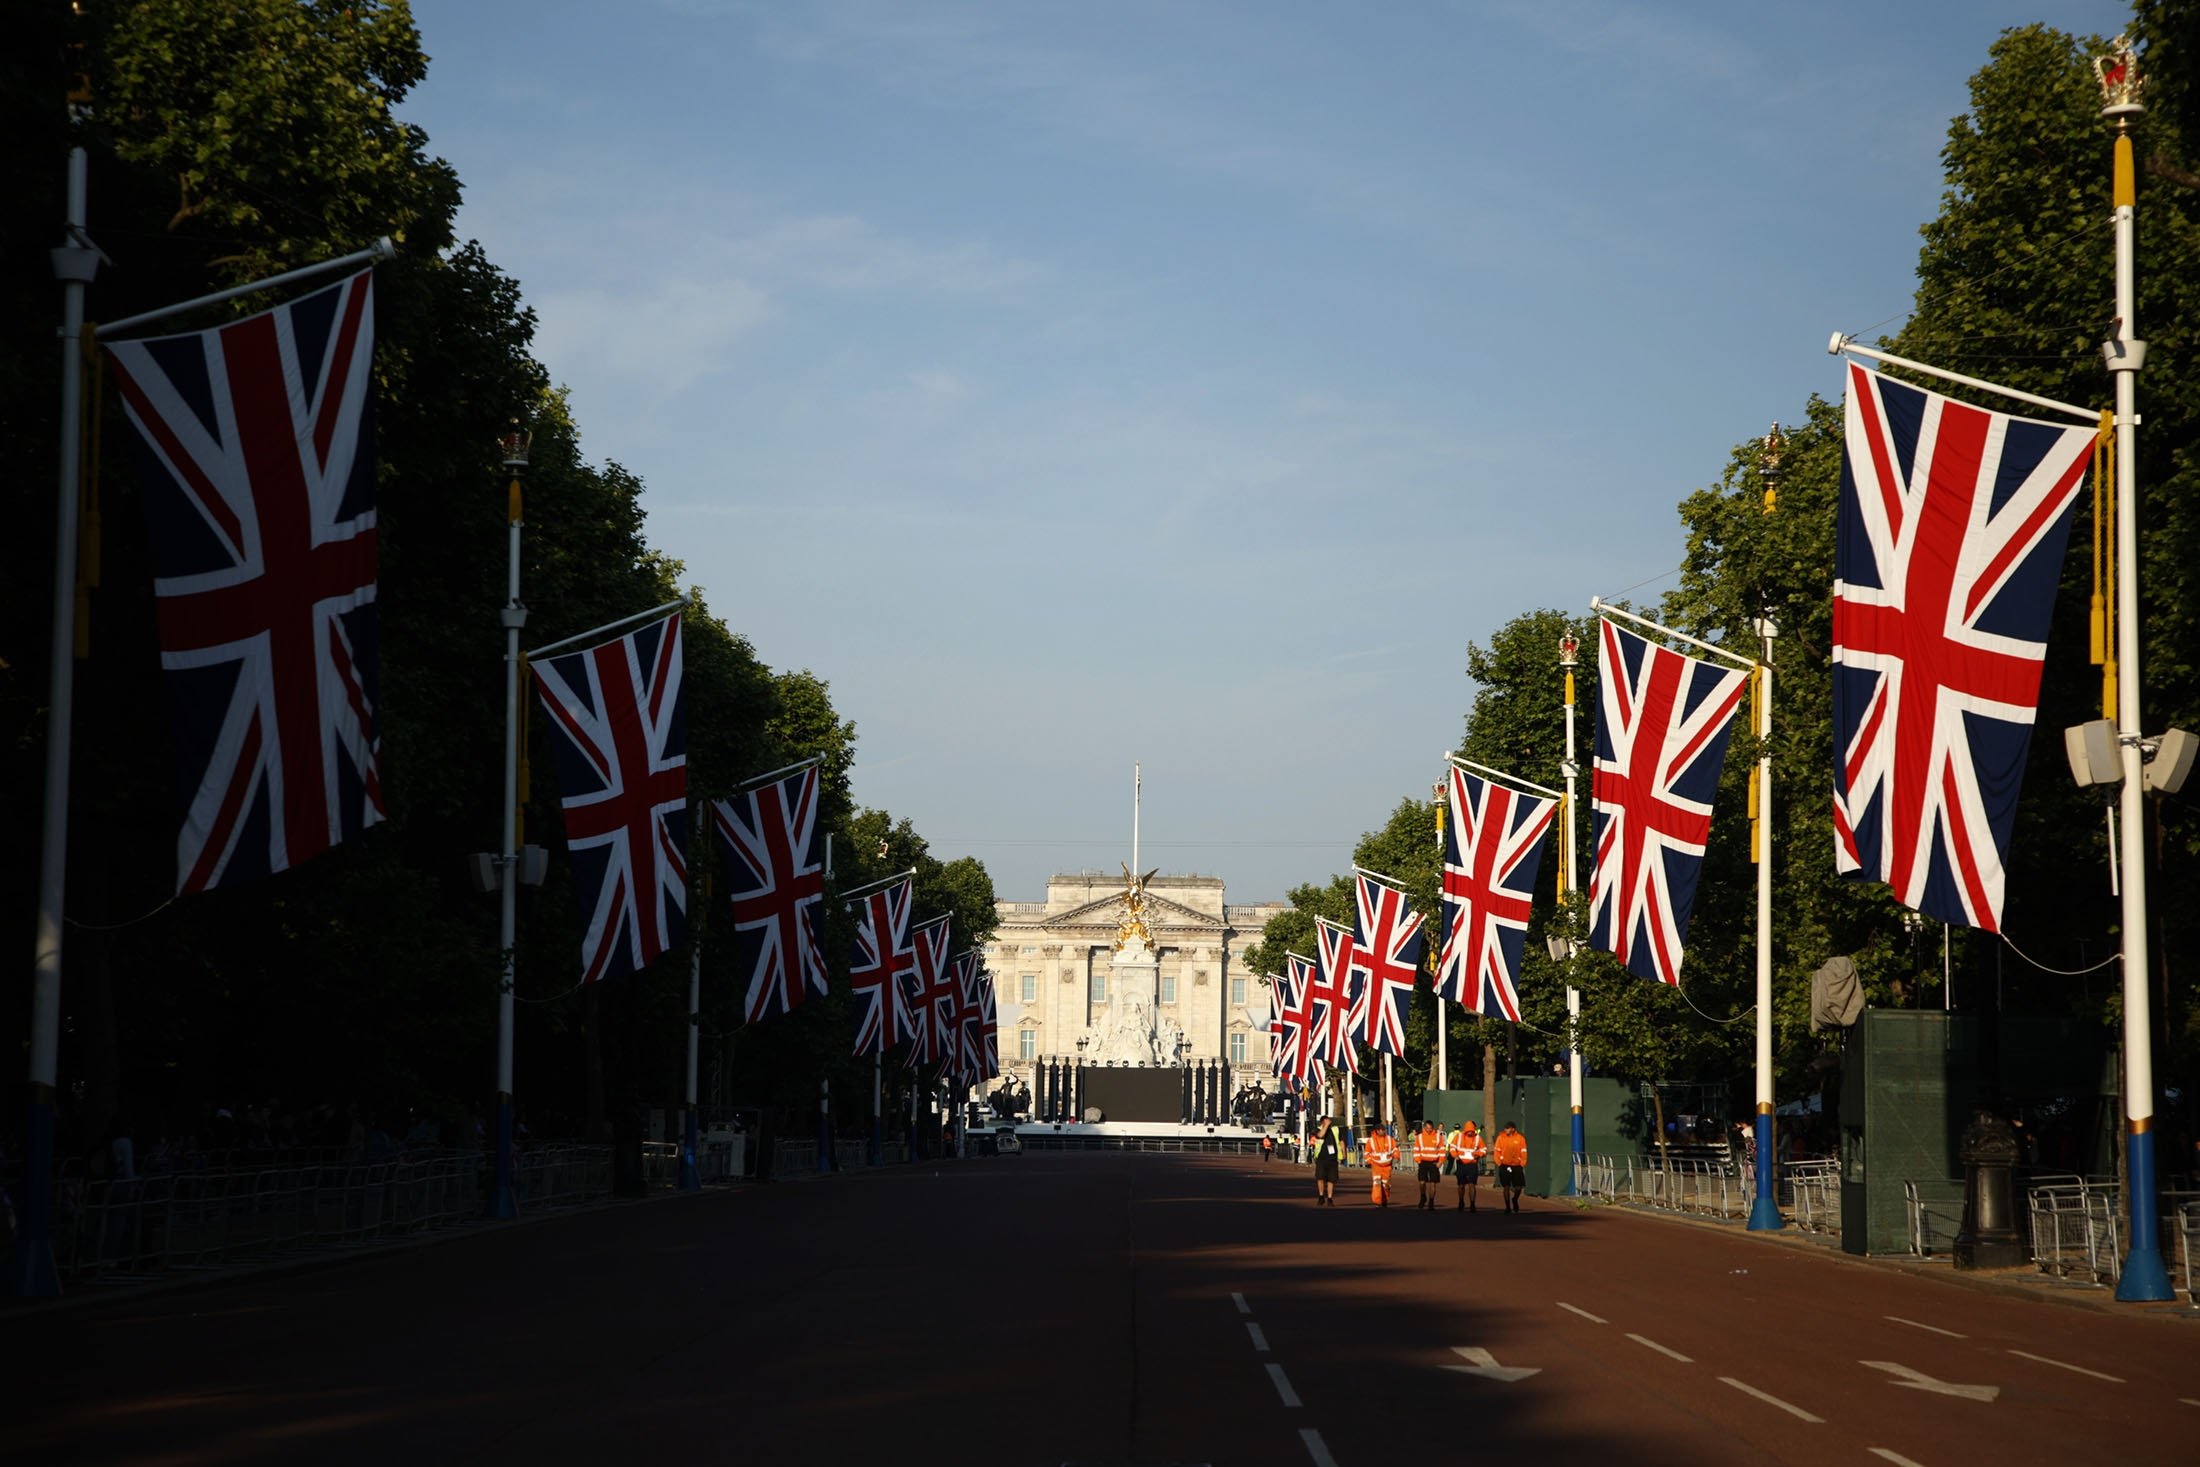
(878, 971)
(1338, 1000)
(1949, 547)
(931, 990)
(1493, 842)
(618, 710)
(772, 847)
(1660, 743)
(255, 450)
(1294, 1056)
(967, 971)
(989, 1024)
(1387, 944)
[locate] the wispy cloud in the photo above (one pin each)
(668, 334)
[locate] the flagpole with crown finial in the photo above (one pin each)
(2143, 1277)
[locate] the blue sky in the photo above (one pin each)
(1075, 384)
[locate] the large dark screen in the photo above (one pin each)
(1135, 1095)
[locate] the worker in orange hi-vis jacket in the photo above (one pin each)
(1428, 1161)
(1511, 1156)
(1467, 1152)
(1382, 1154)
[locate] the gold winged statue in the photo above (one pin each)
(1133, 898)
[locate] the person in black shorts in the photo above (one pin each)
(1327, 1150)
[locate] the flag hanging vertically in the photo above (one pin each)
(1387, 944)
(255, 450)
(883, 956)
(968, 972)
(772, 846)
(989, 1028)
(1949, 546)
(1661, 739)
(1338, 1009)
(1493, 843)
(931, 991)
(619, 711)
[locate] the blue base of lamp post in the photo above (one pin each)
(31, 1270)
(501, 1205)
(1580, 1143)
(2144, 1278)
(1764, 1213)
(691, 1177)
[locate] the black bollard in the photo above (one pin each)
(1989, 1237)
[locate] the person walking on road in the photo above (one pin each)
(1511, 1154)
(1326, 1149)
(1267, 1147)
(1467, 1151)
(1428, 1160)
(1382, 1154)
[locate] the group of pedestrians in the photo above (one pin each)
(1463, 1150)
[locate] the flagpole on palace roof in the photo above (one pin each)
(2144, 1277)
(31, 1271)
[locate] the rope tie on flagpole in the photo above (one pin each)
(2109, 961)
(553, 998)
(118, 926)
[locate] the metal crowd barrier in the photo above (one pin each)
(2188, 1234)
(152, 1226)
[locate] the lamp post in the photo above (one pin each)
(1077, 1083)
(515, 447)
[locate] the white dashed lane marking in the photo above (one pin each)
(1771, 1400)
(1242, 1306)
(1934, 1328)
(1319, 1449)
(1283, 1386)
(1585, 1314)
(2065, 1365)
(1895, 1457)
(1260, 1340)
(1649, 1344)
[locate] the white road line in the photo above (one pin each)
(1260, 1341)
(2190, 1400)
(1319, 1449)
(1585, 1314)
(2064, 1365)
(1283, 1386)
(1936, 1329)
(1662, 1350)
(1749, 1390)
(1895, 1457)
(1242, 1306)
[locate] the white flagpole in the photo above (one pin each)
(1577, 1135)
(691, 1176)
(1764, 1213)
(31, 1270)
(501, 1202)
(2143, 1277)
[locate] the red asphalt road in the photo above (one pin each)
(1101, 1309)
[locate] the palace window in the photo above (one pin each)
(1027, 989)
(1099, 989)
(1027, 1044)
(1237, 1047)
(1237, 990)
(1168, 988)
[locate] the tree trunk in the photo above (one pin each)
(1657, 1103)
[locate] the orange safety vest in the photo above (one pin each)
(1380, 1152)
(1512, 1149)
(1428, 1146)
(1467, 1146)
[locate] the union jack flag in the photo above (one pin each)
(1660, 742)
(1292, 1026)
(1949, 545)
(931, 990)
(971, 1015)
(1338, 1001)
(884, 954)
(619, 712)
(1386, 956)
(989, 1027)
(1493, 842)
(255, 449)
(773, 851)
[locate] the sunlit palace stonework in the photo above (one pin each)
(1053, 966)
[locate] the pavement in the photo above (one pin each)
(1101, 1309)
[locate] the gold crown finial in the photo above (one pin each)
(2120, 81)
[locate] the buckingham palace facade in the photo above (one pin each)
(1050, 961)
